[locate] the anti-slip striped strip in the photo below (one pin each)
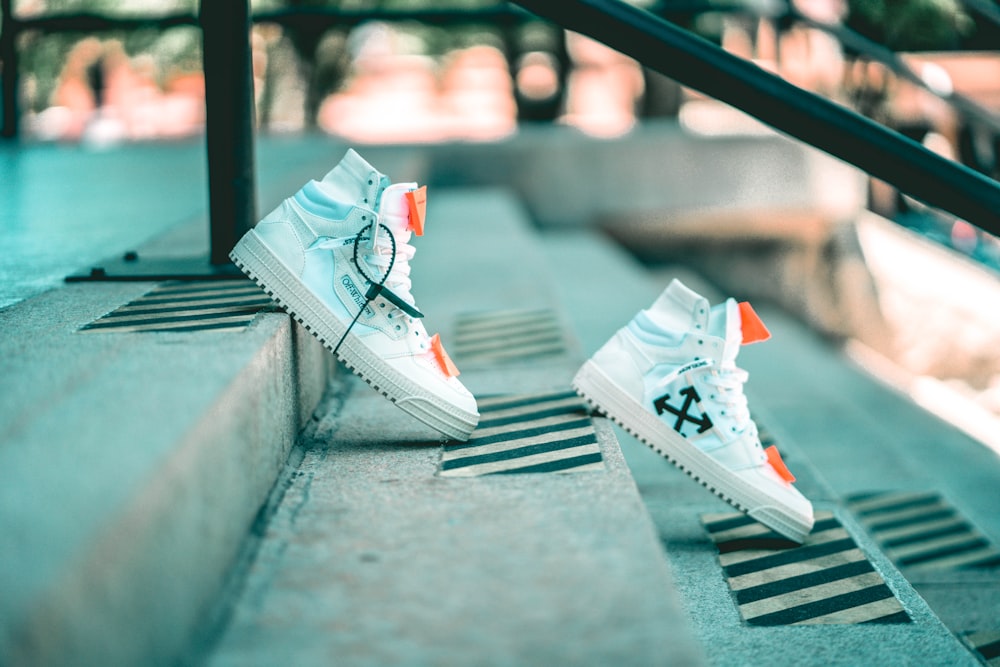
(923, 531)
(185, 307)
(826, 580)
(986, 644)
(549, 432)
(506, 335)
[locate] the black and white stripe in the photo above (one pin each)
(506, 335)
(923, 531)
(214, 305)
(549, 432)
(826, 580)
(986, 644)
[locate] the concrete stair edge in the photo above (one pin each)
(132, 584)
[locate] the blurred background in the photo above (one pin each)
(918, 307)
(424, 71)
(474, 69)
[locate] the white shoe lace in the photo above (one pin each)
(389, 255)
(728, 381)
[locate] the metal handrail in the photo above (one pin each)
(701, 65)
(857, 42)
(229, 87)
(850, 40)
(661, 46)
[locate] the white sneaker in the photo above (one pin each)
(670, 378)
(324, 251)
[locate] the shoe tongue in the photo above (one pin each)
(725, 322)
(394, 210)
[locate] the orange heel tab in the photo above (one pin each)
(417, 201)
(448, 367)
(754, 330)
(774, 458)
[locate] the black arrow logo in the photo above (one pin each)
(690, 396)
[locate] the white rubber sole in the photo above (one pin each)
(255, 259)
(605, 395)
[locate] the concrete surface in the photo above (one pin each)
(131, 467)
(658, 173)
(373, 559)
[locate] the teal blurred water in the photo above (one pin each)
(64, 207)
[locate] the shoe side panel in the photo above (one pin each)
(624, 363)
(340, 291)
(286, 237)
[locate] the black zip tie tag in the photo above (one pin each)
(377, 288)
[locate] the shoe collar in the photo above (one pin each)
(681, 309)
(354, 181)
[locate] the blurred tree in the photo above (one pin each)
(44, 55)
(911, 25)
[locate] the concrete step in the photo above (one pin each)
(135, 451)
(132, 465)
(387, 547)
(844, 434)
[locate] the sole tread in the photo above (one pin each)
(452, 429)
(672, 460)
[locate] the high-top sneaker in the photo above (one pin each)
(336, 256)
(670, 378)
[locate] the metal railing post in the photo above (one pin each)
(229, 122)
(837, 130)
(9, 88)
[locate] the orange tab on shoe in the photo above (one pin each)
(417, 201)
(774, 458)
(754, 330)
(447, 365)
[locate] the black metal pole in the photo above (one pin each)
(229, 122)
(9, 72)
(700, 64)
